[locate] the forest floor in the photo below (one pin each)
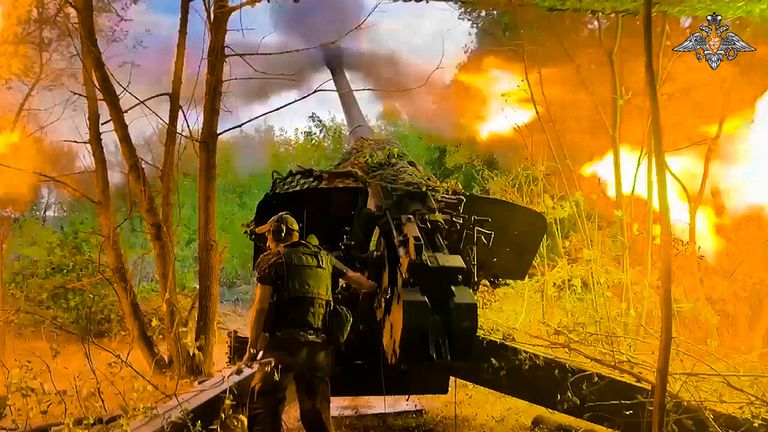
(466, 407)
(50, 376)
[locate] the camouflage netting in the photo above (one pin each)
(385, 161)
(368, 160)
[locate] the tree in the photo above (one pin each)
(121, 278)
(665, 272)
(157, 224)
(5, 222)
(615, 129)
(209, 255)
(30, 43)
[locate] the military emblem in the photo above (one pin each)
(714, 42)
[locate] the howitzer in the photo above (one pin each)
(425, 242)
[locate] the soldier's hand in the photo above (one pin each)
(251, 355)
(372, 286)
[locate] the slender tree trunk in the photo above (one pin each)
(621, 209)
(5, 229)
(171, 133)
(665, 344)
(693, 207)
(207, 248)
(121, 278)
(167, 184)
(158, 234)
(649, 187)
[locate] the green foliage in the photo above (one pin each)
(726, 8)
(500, 22)
(319, 145)
(238, 195)
(493, 10)
(25, 396)
(53, 268)
(52, 271)
(448, 160)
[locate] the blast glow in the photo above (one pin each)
(7, 138)
(739, 174)
(687, 169)
(15, 186)
(507, 104)
(744, 179)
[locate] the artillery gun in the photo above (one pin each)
(425, 242)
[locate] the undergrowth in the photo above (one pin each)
(578, 302)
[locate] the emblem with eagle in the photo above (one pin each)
(714, 42)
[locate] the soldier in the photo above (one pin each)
(292, 294)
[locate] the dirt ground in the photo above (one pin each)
(472, 409)
(62, 375)
(466, 407)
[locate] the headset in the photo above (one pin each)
(279, 230)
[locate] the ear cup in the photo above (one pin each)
(278, 232)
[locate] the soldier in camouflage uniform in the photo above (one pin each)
(293, 291)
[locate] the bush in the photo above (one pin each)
(53, 274)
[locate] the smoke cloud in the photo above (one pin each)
(416, 90)
(317, 22)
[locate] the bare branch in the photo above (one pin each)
(49, 122)
(52, 179)
(259, 79)
(137, 104)
(234, 8)
(298, 50)
(319, 89)
(252, 67)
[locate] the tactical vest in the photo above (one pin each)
(306, 293)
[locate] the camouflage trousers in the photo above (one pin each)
(287, 361)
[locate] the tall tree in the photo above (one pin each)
(5, 223)
(159, 234)
(218, 13)
(665, 276)
(615, 129)
(121, 279)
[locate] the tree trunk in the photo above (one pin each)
(665, 277)
(207, 249)
(171, 133)
(696, 203)
(5, 229)
(121, 279)
(167, 186)
(158, 234)
(618, 100)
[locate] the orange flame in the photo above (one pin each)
(687, 169)
(741, 177)
(18, 186)
(15, 55)
(507, 104)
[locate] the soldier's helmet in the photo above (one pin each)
(279, 225)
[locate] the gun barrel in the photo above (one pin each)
(358, 126)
